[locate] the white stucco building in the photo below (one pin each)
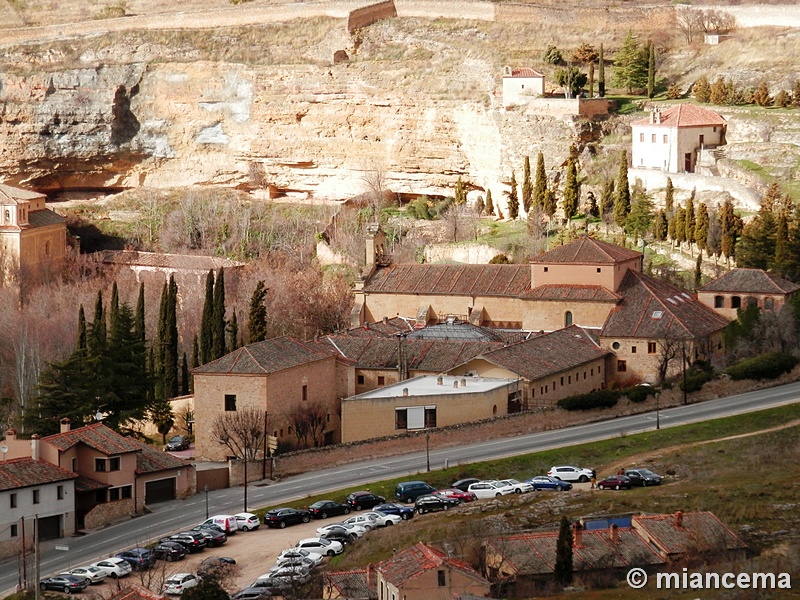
(521, 84)
(672, 140)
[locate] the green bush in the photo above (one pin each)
(638, 393)
(766, 366)
(598, 399)
(695, 381)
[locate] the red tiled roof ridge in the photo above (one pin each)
(776, 283)
(524, 72)
(684, 115)
(601, 252)
(74, 436)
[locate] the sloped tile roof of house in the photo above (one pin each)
(573, 293)
(750, 281)
(150, 460)
(349, 584)
(269, 356)
(653, 309)
(136, 592)
(524, 72)
(25, 472)
(189, 262)
(10, 194)
(387, 328)
(685, 115)
(454, 280)
(688, 532)
(587, 250)
(546, 354)
(42, 218)
(96, 436)
(416, 560)
(85, 483)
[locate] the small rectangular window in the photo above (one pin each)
(545, 269)
(665, 139)
(401, 418)
(125, 492)
(113, 463)
(360, 380)
(599, 269)
(641, 137)
(381, 380)
(36, 496)
(430, 417)
(633, 349)
(442, 578)
(562, 380)
(100, 465)
(651, 347)
(113, 494)
(13, 499)
(60, 492)
(569, 380)
(622, 366)
(14, 530)
(653, 138)
(100, 496)
(230, 402)
(304, 395)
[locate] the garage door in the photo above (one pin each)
(49, 528)
(159, 491)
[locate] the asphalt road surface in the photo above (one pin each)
(177, 515)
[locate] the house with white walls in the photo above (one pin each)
(519, 85)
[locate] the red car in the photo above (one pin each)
(458, 494)
(615, 482)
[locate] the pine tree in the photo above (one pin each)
(489, 203)
(218, 347)
(756, 248)
(762, 96)
(527, 185)
(207, 324)
(513, 200)
(622, 193)
(563, 568)
(571, 190)
(601, 74)
(257, 318)
(630, 64)
(719, 91)
(540, 182)
(702, 90)
(669, 198)
(651, 70)
(701, 227)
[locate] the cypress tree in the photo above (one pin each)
(701, 227)
(672, 229)
(207, 324)
(257, 318)
(99, 324)
(698, 271)
(171, 346)
(460, 194)
(139, 323)
(195, 353)
(651, 70)
(81, 330)
(540, 183)
(158, 364)
(186, 387)
(779, 264)
(669, 198)
(571, 190)
(563, 568)
(513, 200)
(527, 185)
(234, 332)
(727, 219)
(689, 220)
(218, 318)
(489, 203)
(660, 226)
(607, 198)
(113, 311)
(550, 203)
(680, 225)
(622, 193)
(601, 74)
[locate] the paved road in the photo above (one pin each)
(180, 514)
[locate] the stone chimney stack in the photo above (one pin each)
(614, 533)
(405, 392)
(679, 519)
(65, 425)
(11, 435)
(577, 535)
(35, 446)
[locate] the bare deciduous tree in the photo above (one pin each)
(241, 431)
(308, 420)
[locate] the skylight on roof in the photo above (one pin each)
(657, 314)
(672, 300)
(687, 296)
(679, 299)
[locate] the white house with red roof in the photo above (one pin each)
(521, 84)
(673, 139)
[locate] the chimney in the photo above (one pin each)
(11, 435)
(577, 535)
(369, 575)
(65, 427)
(385, 319)
(658, 116)
(614, 533)
(405, 392)
(679, 519)
(463, 382)
(439, 380)
(35, 446)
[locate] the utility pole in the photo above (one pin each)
(36, 561)
(245, 480)
(683, 355)
(264, 452)
(24, 559)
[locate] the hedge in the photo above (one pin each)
(596, 399)
(638, 393)
(766, 366)
(695, 381)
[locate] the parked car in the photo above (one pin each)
(193, 541)
(139, 558)
(226, 522)
(365, 520)
(458, 494)
(408, 491)
(215, 567)
(295, 563)
(247, 521)
(281, 517)
(114, 567)
(295, 553)
(643, 477)
(69, 584)
(177, 442)
(359, 500)
(213, 526)
(383, 519)
(180, 582)
(90, 574)
(393, 508)
(615, 482)
(570, 473)
(214, 537)
(320, 546)
(286, 577)
(328, 508)
(252, 593)
(340, 535)
(520, 487)
(434, 502)
(169, 551)
(490, 489)
(545, 482)
(463, 484)
(353, 530)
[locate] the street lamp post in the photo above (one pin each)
(428, 450)
(658, 419)
(206, 490)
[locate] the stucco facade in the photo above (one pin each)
(519, 85)
(739, 288)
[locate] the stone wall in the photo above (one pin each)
(435, 9)
(255, 471)
(472, 254)
(652, 179)
(367, 15)
(110, 512)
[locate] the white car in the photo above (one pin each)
(291, 554)
(520, 487)
(300, 567)
(320, 546)
(364, 520)
(570, 473)
(180, 582)
(382, 519)
(490, 489)
(247, 521)
(283, 578)
(91, 574)
(114, 567)
(357, 530)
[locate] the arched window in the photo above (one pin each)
(568, 318)
(719, 302)
(751, 301)
(736, 302)
(769, 303)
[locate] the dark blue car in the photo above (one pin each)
(545, 482)
(139, 558)
(394, 508)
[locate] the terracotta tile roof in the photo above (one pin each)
(389, 328)
(96, 436)
(546, 354)
(684, 115)
(434, 356)
(587, 250)
(87, 484)
(135, 592)
(26, 472)
(455, 280)
(698, 532)
(10, 194)
(416, 560)
(269, 356)
(656, 310)
(750, 281)
(573, 293)
(151, 460)
(194, 262)
(42, 218)
(524, 72)
(349, 584)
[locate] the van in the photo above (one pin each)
(226, 522)
(408, 491)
